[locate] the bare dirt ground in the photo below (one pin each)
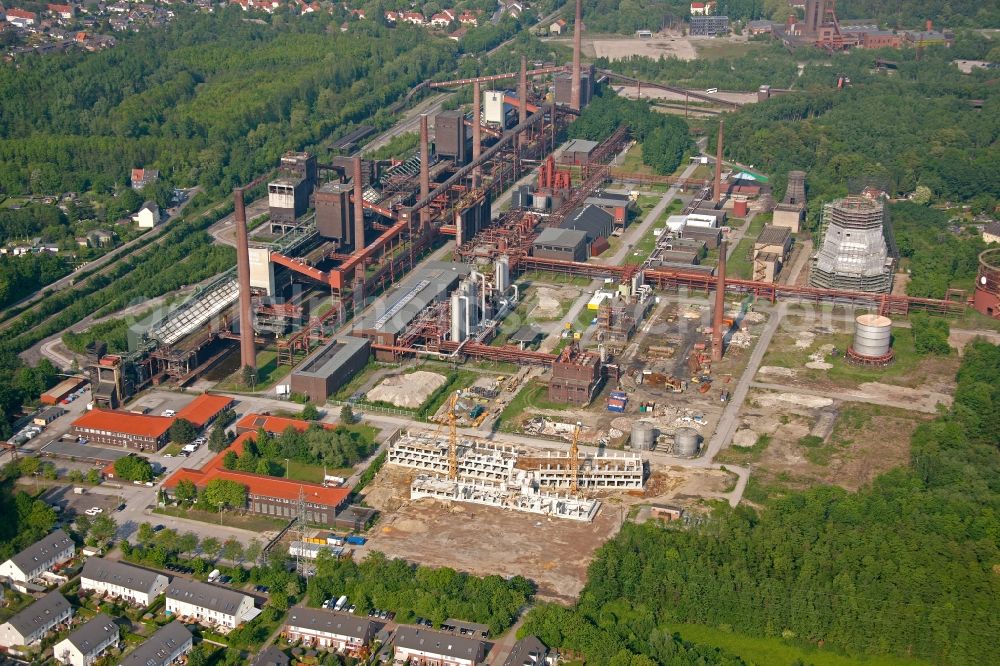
(407, 390)
(484, 540)
(625, 47)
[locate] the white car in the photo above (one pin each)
(168, 412)
(93, 511)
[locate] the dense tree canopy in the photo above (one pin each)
(905, 566)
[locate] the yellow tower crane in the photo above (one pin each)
(574, 460)
(453, 440)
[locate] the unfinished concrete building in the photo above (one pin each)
(527, 499)
(857, 252)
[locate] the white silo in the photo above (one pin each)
(459, 306)
(501, 277)
(872, 341)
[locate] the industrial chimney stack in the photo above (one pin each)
(720, 304)
(359, 207)
(574, 91)
(522, 96)
(717, 196)
(477, 134)
(425, 169)
(248, 354)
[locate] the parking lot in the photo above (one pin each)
(72, 504)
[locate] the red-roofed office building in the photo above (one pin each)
(140, 432)
(268, 495)
(204, 409)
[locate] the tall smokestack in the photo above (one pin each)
(574, 90)
(717, 196)
(359, 206)
(522, 93)
(477, 134)
(425, 168)
(248, 354)
(720, 304)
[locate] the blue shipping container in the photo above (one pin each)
(616, 408)
(355, 540)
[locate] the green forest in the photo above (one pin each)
(903, 567)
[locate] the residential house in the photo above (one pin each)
(65, 12)
(513, 7)
(21, 17)
(122, 581)
(529, 651)
(468, 18)
(760, 27)
(85, 645)
(143, 177)
(443, 19)
(332, 630)
(991, 234)
(209, 604)
(558, 27)
(702, 8)
(39, 557)
(38, 619)
(416, 18)
(393, 17)
(425, 647)
(272, 656)
(162, 648)
(148, 216)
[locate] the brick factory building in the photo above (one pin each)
(204, 409)
(330, 367)
(575, 376)
(562, 244)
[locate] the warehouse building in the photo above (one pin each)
(162, 648)
(85, 645)
(330, 367)
(561, 244)
(391, 314)
(41, 556)
(30, 625)
(122, 581)
(770, 251)
(577, 152)
(62, 390)
(596, 222)
(317, 627)
(140, 432)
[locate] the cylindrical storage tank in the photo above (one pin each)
(686, 442)
(643, 436)
(603, 351)
(740, 208)
(458, 317)
(872, 335)
(502, 274)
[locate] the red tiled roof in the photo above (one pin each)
(273, 424)
(20, 13)
(140, 425)
(204, 408)
(60, 9)
(257, 484)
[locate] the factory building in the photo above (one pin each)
(335, 213)
(770, 251)
(596, 222)
(564, 85)
(576, 376)
(617, 205)
(330, 367)
(857, 252)
(792, 209)
(392, 313)
(450, 136)
(561, 244)
(577, 152)
(288, 195)
(986, 298)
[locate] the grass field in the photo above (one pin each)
(227, 519)
(633, 161)
(739, 265)
(313, 473)
(269, 373)
(725, 48)
(546, 277)
(533, 395)
(775, 651)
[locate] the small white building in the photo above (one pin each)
(208, 604)
(122, 581)
(148, 216)
(331, 630)
(30, 625)
(85, 645)
(424, 647)
(39, 557)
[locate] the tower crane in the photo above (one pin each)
(452, 439)
(574, 460)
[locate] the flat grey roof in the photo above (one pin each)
(53, 412)
(96, 632)
(463, 627)
(39, 614)
(204, 595)
(325, 360)
(159, 646)
(567, 238)
(579, 146)
(42, 550)
(438, 642)
(608, 198)
(121, 574)
(334, 622)
(59, 447)
(771, 235)
(393, 312)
